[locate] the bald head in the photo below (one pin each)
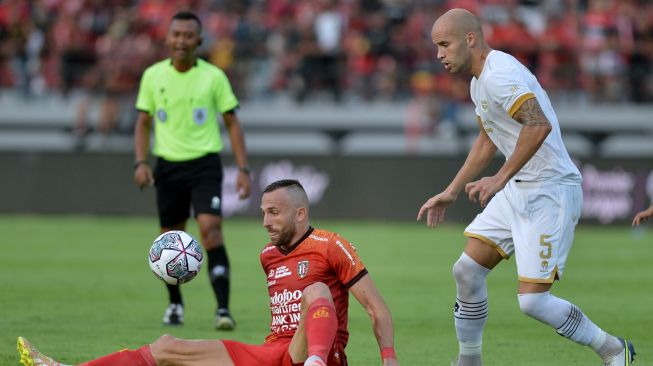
(459, 38)
(459, 22)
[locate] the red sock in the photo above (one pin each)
(321, 327)
(139, 357)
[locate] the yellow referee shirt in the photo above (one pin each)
(185, 107)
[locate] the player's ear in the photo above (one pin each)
(302, 214)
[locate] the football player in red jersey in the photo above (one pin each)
(310, 273)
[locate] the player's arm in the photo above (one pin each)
(535, 128)
(368, 295)
(142, 172)
(478, 158)
(237, 138)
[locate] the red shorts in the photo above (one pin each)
(273, 354)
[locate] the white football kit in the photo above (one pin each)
(535, 214)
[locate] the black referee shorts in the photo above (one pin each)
(181, 185)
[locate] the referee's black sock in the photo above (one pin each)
(219, 275)
(174, 294)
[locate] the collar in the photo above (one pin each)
(296, 244)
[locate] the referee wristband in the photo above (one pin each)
(388, 352)
(137, 163)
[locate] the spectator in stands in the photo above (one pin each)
(361, 49)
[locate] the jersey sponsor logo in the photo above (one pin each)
(270, 273)
(272, 283)
(302, 269)
(282, 271)
(267, 249)
(318, 238)
(282, 298)
(199, 115)
(161, 115)
(351, 259)
(285, 308)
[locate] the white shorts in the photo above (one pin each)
(534, 220)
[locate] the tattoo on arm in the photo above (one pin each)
(530, 114)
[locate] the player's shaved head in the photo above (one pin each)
(459, 22)
(296, 194)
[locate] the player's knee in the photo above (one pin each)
(533, 304)
(316, 290)
(162, 347)
(464, 273)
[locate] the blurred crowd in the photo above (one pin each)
(362, 50)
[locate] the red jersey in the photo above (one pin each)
(319, 256)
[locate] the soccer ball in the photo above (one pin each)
(175, 257)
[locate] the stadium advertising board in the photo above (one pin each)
(338, 187)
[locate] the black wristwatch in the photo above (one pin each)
(137, 163)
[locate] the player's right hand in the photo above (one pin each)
(435, 207)
(643, 216)
(143, 176)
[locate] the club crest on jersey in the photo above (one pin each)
(302, 269)
(484, 105)
(199, 115)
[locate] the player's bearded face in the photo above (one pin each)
(279, 218)
(282, 233)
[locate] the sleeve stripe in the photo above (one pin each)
(356, 278)
(518, 103)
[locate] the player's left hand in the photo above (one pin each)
(390, 362)
(243, 185)
(483, 189)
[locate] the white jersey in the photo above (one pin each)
(503, 86)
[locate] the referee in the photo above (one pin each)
(181, 98)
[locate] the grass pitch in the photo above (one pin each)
(80, 287)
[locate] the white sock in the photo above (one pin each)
(569, 321)
(471, 308)
(313, 358)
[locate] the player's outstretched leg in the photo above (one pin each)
(569, 321)
(471, 309)
(30, 356)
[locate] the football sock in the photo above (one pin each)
(321, 327)
(138, 357)
(174, 294)
(569, 321)
(608, 348)
(469, 360)
(219, 275)
(471, 308)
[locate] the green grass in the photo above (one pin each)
(79, 287)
